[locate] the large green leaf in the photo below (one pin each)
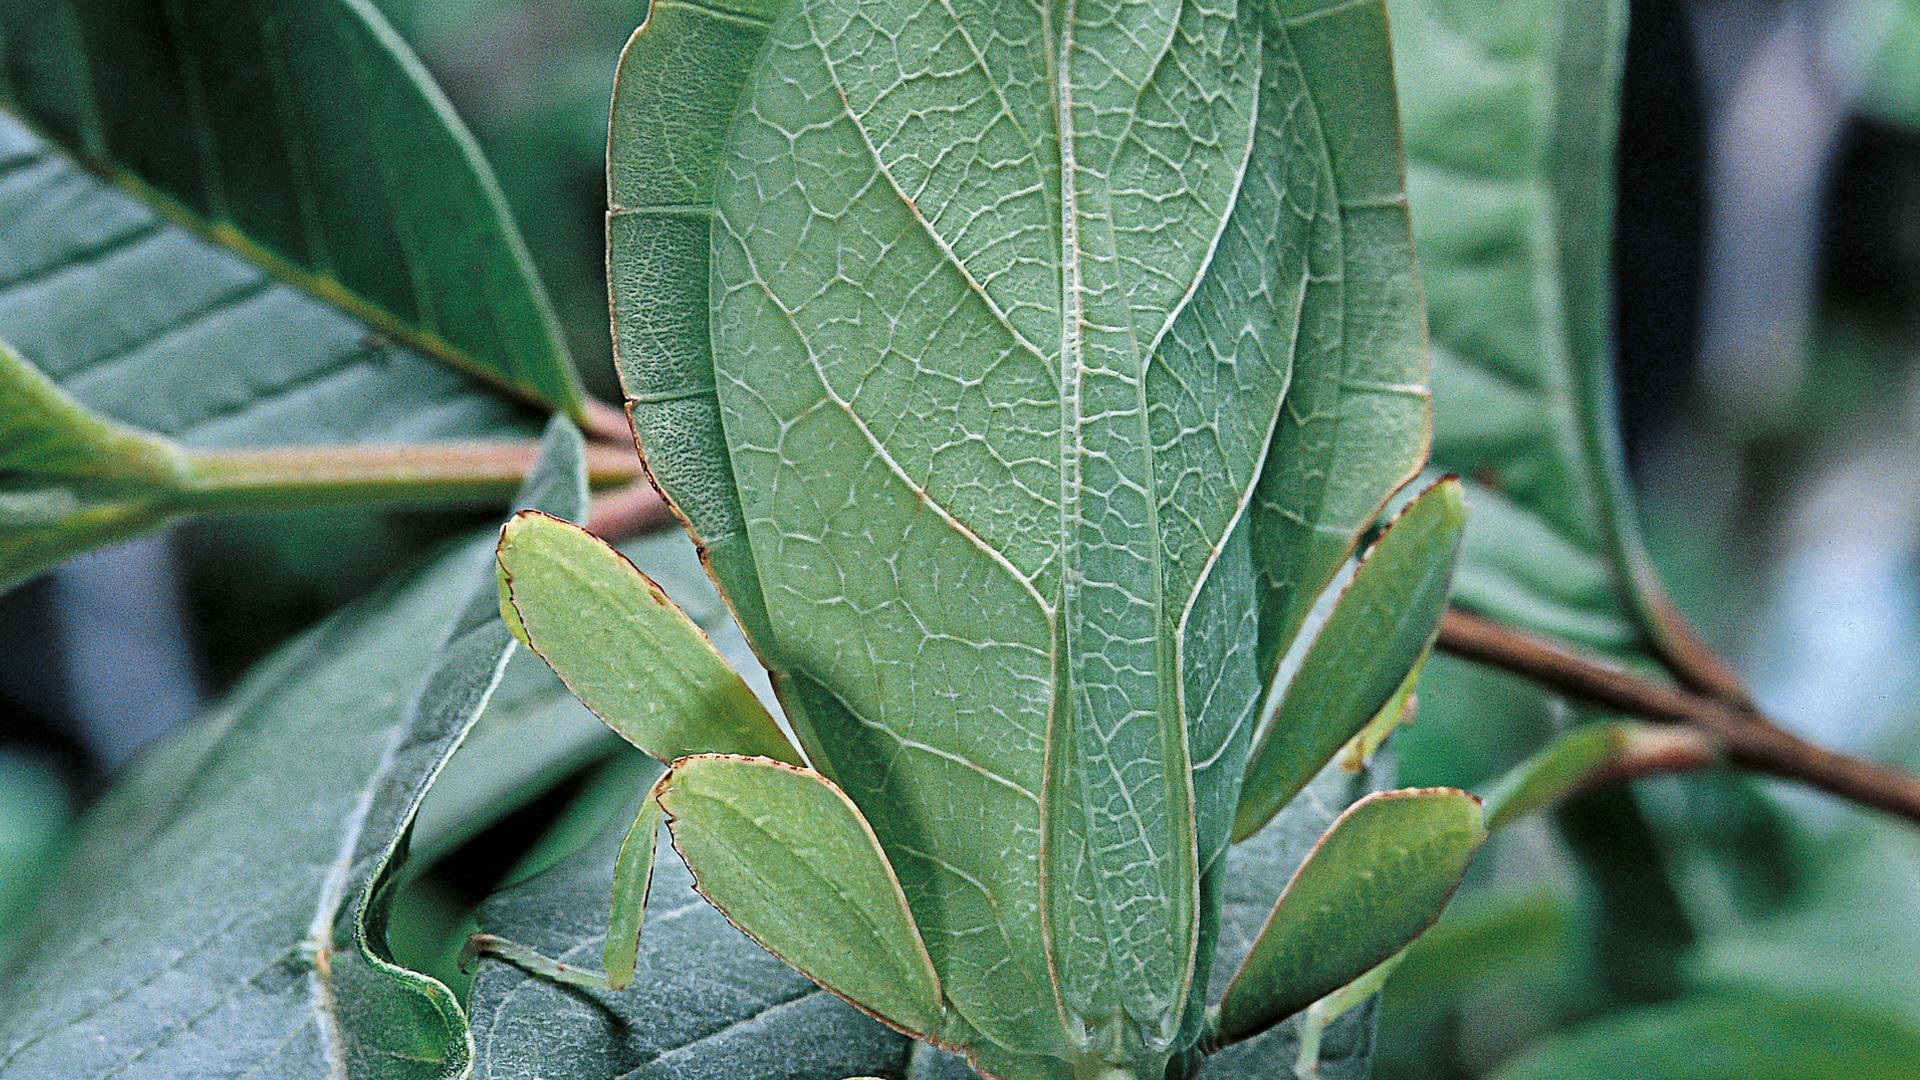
(204, 887)
(221, 265)
(1510, 113)
(301, 136)
(204, 925)
(1004, 310)
(466, 668)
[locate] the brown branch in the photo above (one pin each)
(605, 423)
(1749, 738)
(628, 512)
(1686, 656)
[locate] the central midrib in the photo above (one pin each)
(1063, 722)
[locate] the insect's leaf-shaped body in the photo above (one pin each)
(1001, 306)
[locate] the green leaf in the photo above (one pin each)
(1382, 625)
(1510, 117)
(71, 480)
(1380, 876)
(969, 407)
(708, 1004)
(46, 435)
(788, 858)
(1584, 758)
(464, 671)
(220, 862)
(738, 1010)
(1256, 870)
(211, 889)
(1755, 1035)
(625, 649)
(302, 136)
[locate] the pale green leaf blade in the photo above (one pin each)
(1358, 417)
(632, 882)
(1256, 871)
(788, 858)
(624, 648)
(305, 137)
(1380, 875)
(707, 1003)
(680, 79)
(1383, 623)
(953, 430)
(739, 1009)
(1511, 115)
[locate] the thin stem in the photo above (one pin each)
(628, 512)
(303, 478)
(1687, 657)
(1750, 739)
(605, 423)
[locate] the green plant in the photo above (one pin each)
(1045, 389)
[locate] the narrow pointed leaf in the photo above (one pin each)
(972, 436)
(790, 860)
(625, 649)
(1586, 757)
(1380, 876)
(304, 137)
(1378, 631)
(632, 881)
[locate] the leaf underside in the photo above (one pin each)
(1006, 408)
(1375, 637)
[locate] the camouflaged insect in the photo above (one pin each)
(1025, 372)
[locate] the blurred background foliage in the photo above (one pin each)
(1768, 284)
